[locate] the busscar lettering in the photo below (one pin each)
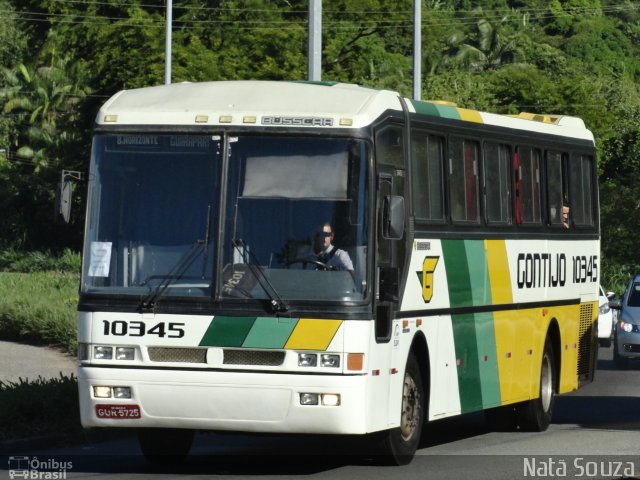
(298, 121)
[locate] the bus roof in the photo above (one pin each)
(301, 104)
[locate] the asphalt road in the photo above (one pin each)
(19, 360)
(595, 434)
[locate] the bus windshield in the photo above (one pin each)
(293, 221)
(295, 218)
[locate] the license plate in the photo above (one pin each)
(118, 412)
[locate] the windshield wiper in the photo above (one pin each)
(181, 266)
(275, 300)
(176, 273)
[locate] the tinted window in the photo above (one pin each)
(389, 146)
(528, 185)
(463, 180)
(556, 188)
(581, 188)
(497, 178)
(427, 153)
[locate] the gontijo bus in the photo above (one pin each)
(199, 308)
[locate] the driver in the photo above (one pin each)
(327, 253)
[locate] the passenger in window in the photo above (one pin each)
(565, 215)
(328, 254)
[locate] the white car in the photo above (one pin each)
(605, 318)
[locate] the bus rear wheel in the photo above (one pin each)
(400, 444)
(165, 446)
(535, 415)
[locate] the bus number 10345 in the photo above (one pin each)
(120, 328)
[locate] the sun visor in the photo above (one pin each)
(297, 176)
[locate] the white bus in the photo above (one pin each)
(471, 279)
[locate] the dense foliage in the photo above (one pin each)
(61, 58)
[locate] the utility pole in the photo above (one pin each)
(417, 49)
(315, 40)
(167, 47)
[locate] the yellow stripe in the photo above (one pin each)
(313, 334)
(503, 324)
(498, 271)
(470, 115)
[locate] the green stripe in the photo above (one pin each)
(424, 108)
(474, 334)
(227, 331)
(485, 332)
(478, 272)
(436, 110)
(464, 335)
(457, 268)
(464, 329)
(270, 332)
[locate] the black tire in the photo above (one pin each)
(165, 446)
(502, 419)
(621, 363)
(535, 415)
(399, 445)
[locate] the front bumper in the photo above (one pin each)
(223, 400)
(628, 343)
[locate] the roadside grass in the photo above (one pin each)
(39, 408)
(39, 308)
(38, 297)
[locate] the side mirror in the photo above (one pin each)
(393, 217)
(615, 304)
(64, 191)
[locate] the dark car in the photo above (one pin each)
(626, 340)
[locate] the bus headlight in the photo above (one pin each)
(102, 392)
(308, 399)
(125, 353)
(101, 352)
(330, 360)
(330, 399)
(121, 392)
(307, 360)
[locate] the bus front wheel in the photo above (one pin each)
(400, 444)
(165, 446)
(535, 415)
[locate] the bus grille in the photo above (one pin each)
(177, 355)
(585, 344)
(253, 357)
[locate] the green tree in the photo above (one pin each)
(490, 48)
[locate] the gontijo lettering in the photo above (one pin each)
(537, 270)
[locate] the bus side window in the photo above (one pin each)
(463, 180)
(529, 185)
(426, 178)
(556, 187)
(497, 181)
(389, 146)
(581, 190)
